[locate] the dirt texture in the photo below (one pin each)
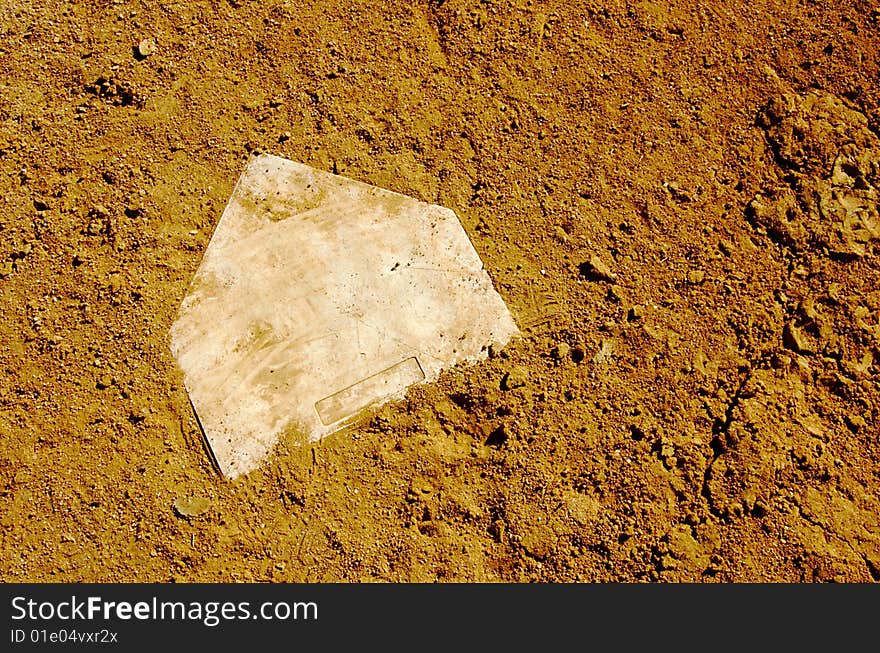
(678, 201)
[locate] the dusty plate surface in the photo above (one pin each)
(319, 296)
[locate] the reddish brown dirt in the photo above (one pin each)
(708, 411)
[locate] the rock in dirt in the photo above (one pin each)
(146, 48)
(696, 277)
(676, 191)
(597, 270)
(603, 356)
(794, 339)
(635, 313)
(560, 234)
(188, 507)
(517, 377)
(856, 423)
(727, 247)
(561, 351)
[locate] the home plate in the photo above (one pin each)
(319, 296)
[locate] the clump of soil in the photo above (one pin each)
(831, 162)
(677, 202)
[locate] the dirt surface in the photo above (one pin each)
(678, 202)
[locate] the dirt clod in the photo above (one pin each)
(793, 338)
(517, 377)
(597, 270)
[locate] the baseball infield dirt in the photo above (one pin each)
(677, 201)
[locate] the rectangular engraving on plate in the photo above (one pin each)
(349, 401)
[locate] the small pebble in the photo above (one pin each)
(561, 351)
(596, 269)
(191, 506)
(635, 313)
(696, 277)
(856, 423)
(147, 47)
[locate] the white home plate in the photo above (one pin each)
(319, 296)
